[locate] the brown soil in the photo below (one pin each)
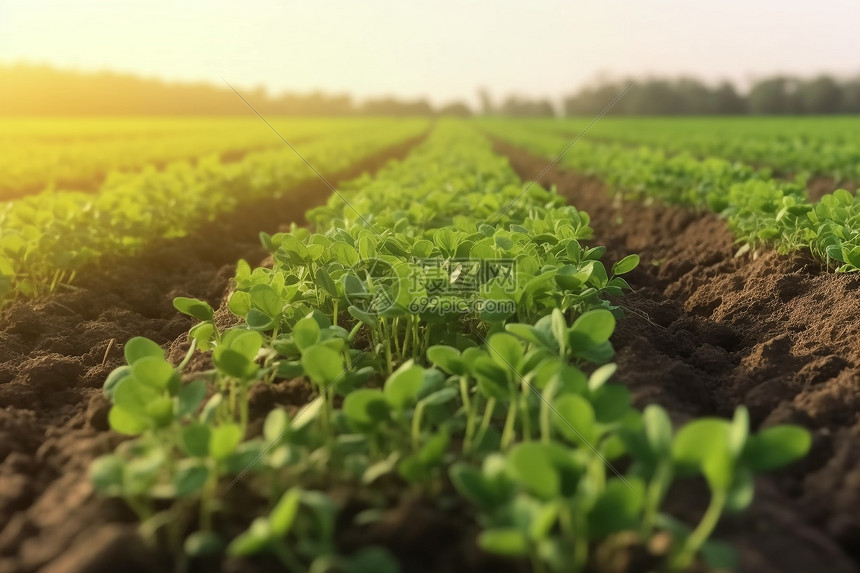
(706, 331)
(819, 186)
(55, 354)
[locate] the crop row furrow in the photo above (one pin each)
(47, 238)
(453, 325)
(760, 210)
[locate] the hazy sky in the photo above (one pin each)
(441, 48)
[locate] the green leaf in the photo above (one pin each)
(140, 347)
(190, 397)
(203, 333)
(240, 303)
(202, 543)
(325, 282)
(447, 358)
(234, 363)
(412, 470)
(126, 422)
(254, 540)
(367, 247)
(610, 402)
(276, 423)
(591, 329)
(739, 431)
(506, 541)
(265, 298)
(284, 513)
(365, 407)
(506, 350)
(245, 342)
(306, 333)
(422, 249)
(571, 380)
(852, 257)
(258, 320)
(195, 439)
(573, 277)
(742, 490)
(617, 509)
(558, 325)
(116, 376)
(574, 418)
(353, 287)
(658, 429)
(470, 483)
(210, 409)
(160, 410)
(154, 371)
(294, 249)
(190, 477)
(266, 241)
(532, 335)
(703, 445)
(493, 380)
(402, 387)
(307, 414)
(106, 474)
(247, 456)
(625, 265)
(345, 254)
(194, 307)
(434, 448)
(439, 397)
(289, 369)
(362, 316)
(543, 517)
(134, 396)
(601, 376)
(322, 364)
(775, 447)
(531, 465)
(224, 440)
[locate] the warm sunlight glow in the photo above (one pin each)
(444, 50)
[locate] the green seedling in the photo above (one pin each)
(728, 456)
(518, 406)
(307, 520)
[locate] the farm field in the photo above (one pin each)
(459, 352)
(78, 153)
(47, 237)
(825, 146)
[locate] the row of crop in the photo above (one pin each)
(46, 238)
(450, 329)
(790, 146)
(759, 209)
(78, 154)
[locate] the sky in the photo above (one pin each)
(440, 49)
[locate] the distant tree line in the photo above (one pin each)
(686, 96)
(43, 90)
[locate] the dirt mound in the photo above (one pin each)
(706, 331)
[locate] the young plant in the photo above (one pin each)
(728, 456)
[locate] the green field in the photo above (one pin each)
(438, 332)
